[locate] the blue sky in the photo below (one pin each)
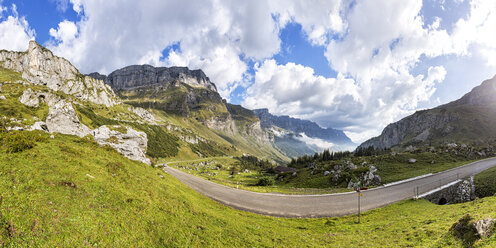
(352, 65)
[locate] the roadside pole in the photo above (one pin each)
(358, 190)
(359, 195)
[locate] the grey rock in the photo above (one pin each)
(144, 115)
(39, 125)
(131, 144)
(39, 66)
(412, 160)
(326, 173)
(136, 76)
(484, 227)
(3, 98)
(62, 118)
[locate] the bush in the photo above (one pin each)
(19, 141)
(265, 181)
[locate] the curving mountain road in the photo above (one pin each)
(330, 205)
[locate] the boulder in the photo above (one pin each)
(412, 160)
(29, 98)
(62, 118)
(131, 144)
(484, 227)
(3, 98)
(326, 173)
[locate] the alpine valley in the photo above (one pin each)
(148, 113)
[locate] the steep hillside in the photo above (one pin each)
(471, 118)
(68, 191)
(190, 100)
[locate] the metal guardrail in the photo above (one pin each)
(424, 188)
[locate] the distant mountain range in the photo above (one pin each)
(298, 137)
(471, 118)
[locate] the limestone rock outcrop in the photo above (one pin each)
(39, 66)
(144, 114)
(132, 144)
(136, 76)
(62, 117)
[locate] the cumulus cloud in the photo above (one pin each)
(15, 32)
(316, 142)
(318, 18)
(339, 102)
(66, 31)
(211, 35)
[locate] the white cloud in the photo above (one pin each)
(62, 5)
(319, 143)
(318, 18)
(212, 36)
(15, 32)
(339, 102)
(65, 33)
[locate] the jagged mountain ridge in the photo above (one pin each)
(135, 76)
(469, 119)
(311, 129)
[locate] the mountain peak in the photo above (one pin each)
(470, 118)
(135, 76)
(309, 128)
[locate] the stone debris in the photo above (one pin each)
(144, 114)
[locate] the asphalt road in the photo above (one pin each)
(329, 205)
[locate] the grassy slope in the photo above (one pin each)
(485, 183)
(48, 199)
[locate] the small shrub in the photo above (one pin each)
(265, 181)
(19, 141)
(113, 139)
(464, 229)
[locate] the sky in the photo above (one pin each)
(354, 65)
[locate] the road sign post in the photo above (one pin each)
(358, 190)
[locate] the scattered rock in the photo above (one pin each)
(326, 173)
(412, 160)
(144, 114)
(451, 145)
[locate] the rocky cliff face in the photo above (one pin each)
(39, 66)
(136, 76)
(175, 90)
(470, 118)
(311, 129)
